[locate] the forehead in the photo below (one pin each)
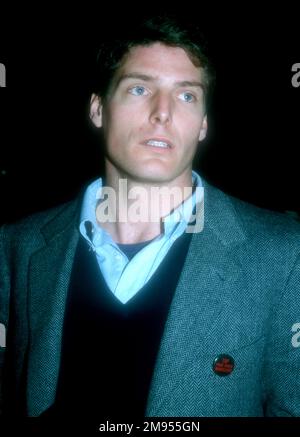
(160, 60)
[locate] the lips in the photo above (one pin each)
(158, 142)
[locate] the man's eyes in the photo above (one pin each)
(187, 97)
(138, 91)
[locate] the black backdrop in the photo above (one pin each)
(48, 148)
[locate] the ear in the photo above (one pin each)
(203, 129)
(96, 110)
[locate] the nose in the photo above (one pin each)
(161, 109)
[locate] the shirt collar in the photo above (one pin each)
(175, 222)
(89, 226)
(180, 217)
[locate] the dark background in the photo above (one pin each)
(49, 149)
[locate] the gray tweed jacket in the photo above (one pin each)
(238, 294)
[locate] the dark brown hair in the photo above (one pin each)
(167, 30)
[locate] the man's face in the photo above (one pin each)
(154, 116)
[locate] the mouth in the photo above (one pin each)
(158, 143)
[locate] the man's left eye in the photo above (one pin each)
(138, 91)
(187, 97)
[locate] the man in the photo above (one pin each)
(120, 303)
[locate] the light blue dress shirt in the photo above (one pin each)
(123, 277)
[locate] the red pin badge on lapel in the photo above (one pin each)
(223, 365)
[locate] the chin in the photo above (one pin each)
(156, 178)
(156, 172)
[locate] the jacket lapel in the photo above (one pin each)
(209, 274)
(49, 274)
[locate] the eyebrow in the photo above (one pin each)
(147, 78)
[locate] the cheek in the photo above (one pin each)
(191, 130)
(116, 125)
(116, 117)
(199, 124)
(124, 119)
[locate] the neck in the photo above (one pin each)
(136, 209)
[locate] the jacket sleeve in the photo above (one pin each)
(282, 365)
(4, 306)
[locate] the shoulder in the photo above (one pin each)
(30, 229)
(266, 243)
(255, 222)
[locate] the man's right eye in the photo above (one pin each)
(138, 91)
